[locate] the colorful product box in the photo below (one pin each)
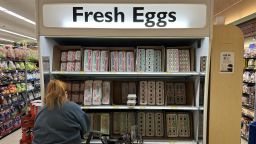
(114, 61)
(106, 93)
(172, 60)
(88, 92)
(78, 56)
(122, 61)
(63, 66)
(97, 92)
(141, 60)
(71, 56)
(203, 60)
(104, 61)
(70, 66)
(131, 88)
(95, 60)
(77, 66)
(75, 97)
(88, 60)
(64, 56)
(130, 121)
(150, 56)
(130, 62)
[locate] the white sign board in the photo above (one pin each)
(130, 16)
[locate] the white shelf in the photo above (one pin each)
(157, 141)
(126, 74)
(201, 108)
(123, 107)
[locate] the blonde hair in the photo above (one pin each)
(56, 94)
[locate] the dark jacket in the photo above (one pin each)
(65, 125)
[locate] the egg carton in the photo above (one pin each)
(75, 97)
(129, 61)
(172, 125)
(77, 66)
(63, 66)
(150, 60)
(159, 93)
(88, 92)
(132, 88)
(95, 60)
(78, 55)
(130, 121)
(151, 92)
(158, 60)
(88, 60)
(180, 93)
(97, 92)
(122, 61)
(64, 56)
(172, 60)
(184, 61)
(169, 91)
(70, 66)
(123, 123)
(114, 61)
(71, 56)
(203, 60)
(141, 60)
(116, 123)
(124, 87)
(159, 124)
(150, 124)
(104, 61)
(105, 123)
(106, 93)
(81, 98)
(143, 92)
(183, 125)
(141, 123)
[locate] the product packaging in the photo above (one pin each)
(63, 66)
(132, 88)
(70, 66)
(172, 60)
(150, 55)
(169, 91)
(104, 61)
(180, 93)
(203, 60)
(88, 60)
(116, 123)
(114, 61)
(77, 66)
(130, 121)
(184, 60)
(151, 92)
(183, 125)
(150, 124)
(75, 97)
(77, 55)
(88, 92)
(142, 123)
(97, 92)
(122, 61)
(130, 61)
(124, 92)
(95, 60)
(172, 125)
(141, 60)
(75, 87)
(71, 56)
(143, 93)
(105, 123)
(106, 93)
(159, 93)
(123, 123)
(159, 124)
(64, 56)
(158, 61)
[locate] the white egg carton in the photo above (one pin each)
(141, 60)
(88, 60)
(150, 60)
(172, 60)
(159, 93)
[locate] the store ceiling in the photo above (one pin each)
(26, 8)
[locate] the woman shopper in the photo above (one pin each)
(60, 121)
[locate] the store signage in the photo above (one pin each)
(130, 16)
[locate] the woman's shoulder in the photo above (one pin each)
(71, 105)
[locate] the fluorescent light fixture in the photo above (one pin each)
(16, 15)
(3, 39)
(14, 33)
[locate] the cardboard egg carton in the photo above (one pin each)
(130, 121)
(180, 93)
(132, 88)
(97, 92)
(143, 93)
(103, 61)
(172, 125)
(64, 56)
(158, 61)
(77, 66)
(141, 123)
(150, 56)
(71, 55)
(141, 60)
(151, 92)
(203, 60)
(88, 60)
(150, 124)
(125, 88)
(184, 61)
(160, 93)
(123, 123)
(116, 123)
(78, 55)
(106, 93)
(172, 60)
(159, 124)
(88, 92)
(105, 123)
(95, 60)
(169, 91)
(63, 66)
(75, 87)
(70, 66)
(130, 61)
(122, 61)
(114, 61)
(183, 125)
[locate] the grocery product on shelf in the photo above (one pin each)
(70, 60)
(122, 61)
(178, 60)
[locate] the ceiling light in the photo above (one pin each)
(16, 15)
(3, 39)
(14, 33)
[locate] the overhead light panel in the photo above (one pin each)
(14, 33)
(16, 15)
(3, 39)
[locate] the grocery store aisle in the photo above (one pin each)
(13, 138)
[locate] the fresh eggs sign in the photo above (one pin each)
(130, 16)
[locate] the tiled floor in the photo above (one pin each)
(12, 138)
